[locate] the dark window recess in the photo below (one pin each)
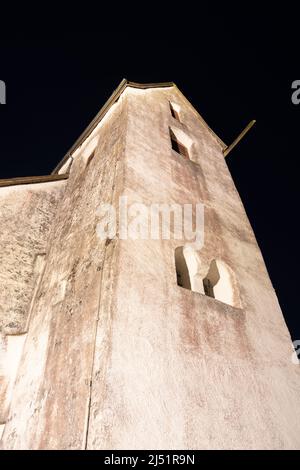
(177, 146)
(182, 272)
(208, 287)
(174, 113)
(179, 279)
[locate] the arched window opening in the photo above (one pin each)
(219, 282)
(187, 269)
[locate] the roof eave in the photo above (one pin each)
(32, 179)
(100, 115)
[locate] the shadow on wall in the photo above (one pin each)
(219, 281)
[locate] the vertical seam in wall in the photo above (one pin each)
(87, 423)
(35, 290)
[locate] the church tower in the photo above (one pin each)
(140, 342)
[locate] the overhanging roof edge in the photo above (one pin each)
(111, 100)
(105, 108)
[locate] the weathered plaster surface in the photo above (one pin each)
(26, 214)
(174, 368)
(10, 356)
(50, 406)
(117, 354)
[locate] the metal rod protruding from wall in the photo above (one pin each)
(236, 141)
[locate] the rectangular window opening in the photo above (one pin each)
(178, 147)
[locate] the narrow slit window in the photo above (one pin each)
(178, 146)
(174, 112)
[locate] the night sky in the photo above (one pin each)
(230, 73)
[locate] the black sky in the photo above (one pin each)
(231, 73)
